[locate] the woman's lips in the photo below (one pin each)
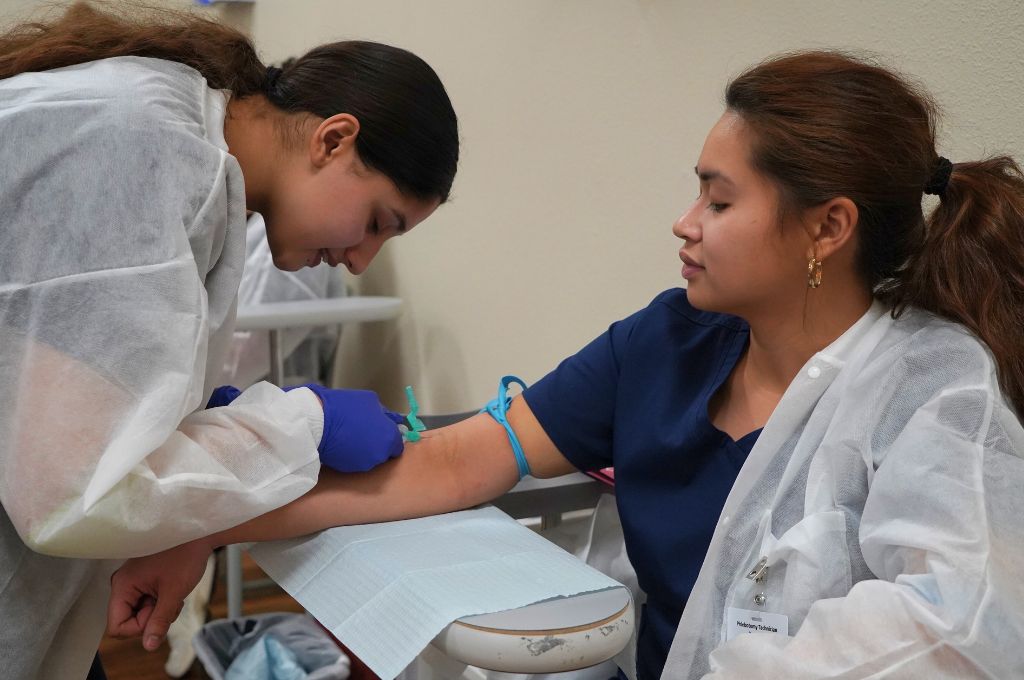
(690, 266)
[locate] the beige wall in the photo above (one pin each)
(581, 121)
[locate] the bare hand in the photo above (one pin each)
(147, 593)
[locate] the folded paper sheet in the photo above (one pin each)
(386, 590)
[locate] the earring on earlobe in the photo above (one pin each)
(813, 272)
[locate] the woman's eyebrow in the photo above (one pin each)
(708, 175)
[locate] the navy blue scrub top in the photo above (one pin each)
(636, 398)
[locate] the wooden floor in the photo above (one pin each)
(127, 660)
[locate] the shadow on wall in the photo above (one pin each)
(388, 355)
(448, 388)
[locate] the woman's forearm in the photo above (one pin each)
(449, 469)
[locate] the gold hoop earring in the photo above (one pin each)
(813, 272)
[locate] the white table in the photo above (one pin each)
(549, 498)
(548, 637)
(279, 316)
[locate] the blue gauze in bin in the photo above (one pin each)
(268, 659)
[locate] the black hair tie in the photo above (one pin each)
(273, 74)
(940, 178)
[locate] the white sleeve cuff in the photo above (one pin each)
(305, 399)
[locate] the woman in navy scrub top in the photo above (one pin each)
(637, 398)
(675, 396)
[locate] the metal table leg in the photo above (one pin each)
(234, 552)
(276, 359)
(550, 521)
(234, 570)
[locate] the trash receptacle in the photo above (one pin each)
(221, 641)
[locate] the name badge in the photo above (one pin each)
(743, 621)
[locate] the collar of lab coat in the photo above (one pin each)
(802, 395)
(843, 348)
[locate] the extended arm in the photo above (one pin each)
(449, 469)
(452, 468)
(96, 466)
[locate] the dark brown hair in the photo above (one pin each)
(828, 124)
(408, 128)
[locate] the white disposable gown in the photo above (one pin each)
(121, 249)
(886, 493)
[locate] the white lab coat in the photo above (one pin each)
(887, 493)
(306, 350)
(121, 250)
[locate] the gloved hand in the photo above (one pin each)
(359, 433)
(223, 395)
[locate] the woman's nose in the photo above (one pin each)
(359, 257)
(687, 227)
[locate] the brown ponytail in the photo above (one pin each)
(827, 124)
(224, 56)
(971, 265)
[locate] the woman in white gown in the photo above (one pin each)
(133, 147)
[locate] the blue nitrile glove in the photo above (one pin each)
(223, 395)
(359, 433)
